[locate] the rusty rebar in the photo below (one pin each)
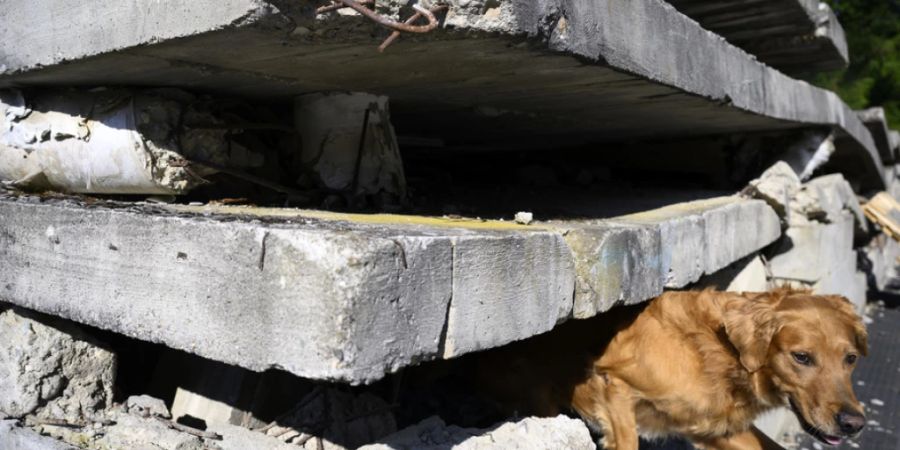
(395, 34)
(385, 21)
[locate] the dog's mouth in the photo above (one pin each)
(810, 429)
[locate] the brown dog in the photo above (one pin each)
(703, 365)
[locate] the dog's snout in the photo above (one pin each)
(850, 422)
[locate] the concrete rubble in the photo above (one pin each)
(601, 69)
(51, 370)
(298, 275)
(529, 433)
(115, 141)
(823, 219)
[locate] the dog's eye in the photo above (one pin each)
(850, 359)
(802, 358)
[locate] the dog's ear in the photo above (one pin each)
(750, 324)
(852, 319)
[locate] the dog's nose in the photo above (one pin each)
(850, 422)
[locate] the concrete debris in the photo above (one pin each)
(113, 141)
(147, 406)
(128, 431)
(349, 145)
(529, 433)
(823, 199)
(13, 436)
(334, 420)
(826, 198)
(524, 218)
(777, 186)
(51, 370)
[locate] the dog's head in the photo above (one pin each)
(805, 347)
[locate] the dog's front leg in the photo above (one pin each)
(608, 402)
(752, 439)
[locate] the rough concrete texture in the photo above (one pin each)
(529, 433)
(881, 255)
(357, 295)
(794, 36)
(821, 256)
(51, 370)
(128, 431)
(329, 125)
(112, 141)
(876, 122)
(606, 69)
(777, 186)
(15, 437)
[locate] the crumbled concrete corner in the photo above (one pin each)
(51, 370)
(529, 433)
(777, 186)
(822, 199)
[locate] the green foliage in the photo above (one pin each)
(873, 35)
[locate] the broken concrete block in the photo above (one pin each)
(811, 250)
(51, 369)
(348, 143)
(880, 255)
(112, 141)
(16, 437)
(777, 186)
(334, 420)
(529, 433)
(825, 198)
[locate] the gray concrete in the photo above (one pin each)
(576, 70)
(528, 433)
(876, 122)
(794, 36)
(357, 296)
(51, 369)
(15, 437)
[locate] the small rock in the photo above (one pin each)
(876, 402)
(873, 423)
(524, 218)
(147, 406)
(817, 446)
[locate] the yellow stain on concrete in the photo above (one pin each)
(365, 219)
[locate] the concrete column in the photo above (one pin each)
(348, 144)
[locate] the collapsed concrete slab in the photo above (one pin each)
(593, 71)
(794, 36)
(357, 296)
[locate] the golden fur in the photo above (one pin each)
(700, 364)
